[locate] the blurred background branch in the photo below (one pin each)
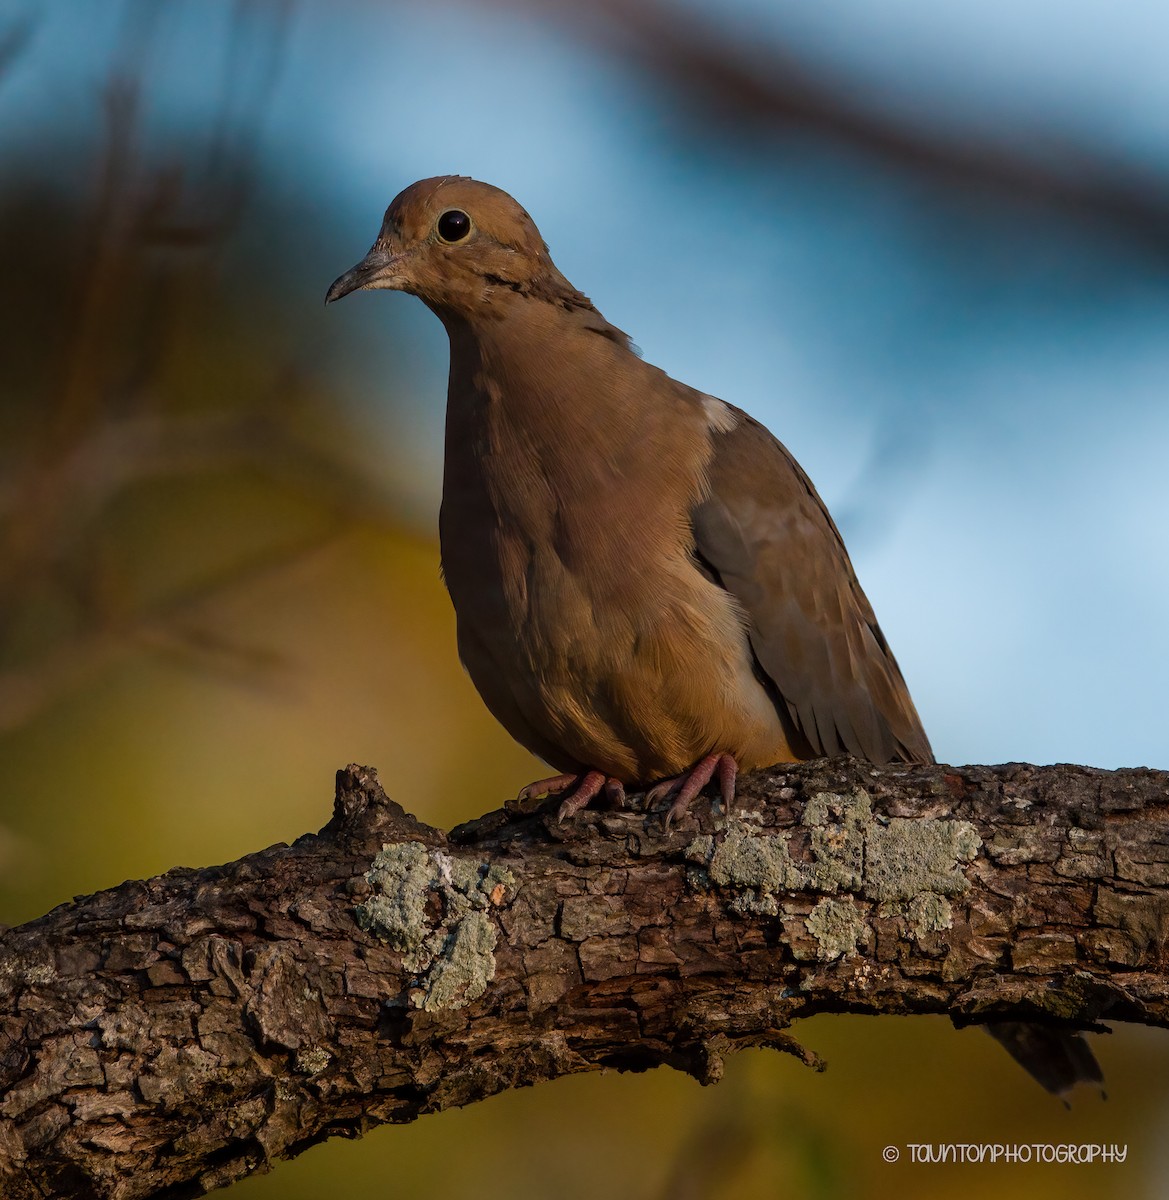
(117, 417)
(733, 81)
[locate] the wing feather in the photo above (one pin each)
(769, 540)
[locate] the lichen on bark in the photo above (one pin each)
(910, 866)
(432, 907)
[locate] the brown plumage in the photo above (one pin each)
(643, 576)
(647, 585)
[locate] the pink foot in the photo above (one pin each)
(581, 790)
(686, 786)
(552, 786)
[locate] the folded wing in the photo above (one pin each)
(765, 535)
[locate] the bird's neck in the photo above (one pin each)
(519, 379)
(544, 410)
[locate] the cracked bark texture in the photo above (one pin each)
(166, 1037)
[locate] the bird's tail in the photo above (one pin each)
(1057, 1058)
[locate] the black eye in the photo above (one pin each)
(453, 225)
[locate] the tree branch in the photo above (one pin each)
(166, 1037)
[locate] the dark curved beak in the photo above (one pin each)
(378, 269)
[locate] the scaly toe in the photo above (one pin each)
(722, 765)
(552, 786)
(589, 785)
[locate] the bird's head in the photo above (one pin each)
(459, 245)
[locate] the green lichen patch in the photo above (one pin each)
(746, 858)
(838, 825)
(909, 866)
(464, 968)
(401, 879)
(929, 913)
(837, 926)
(909, 856)
(433, 908)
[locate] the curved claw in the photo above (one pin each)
(693, 781)
(663, 790)
(581, 789)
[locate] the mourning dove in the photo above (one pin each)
(648, 589)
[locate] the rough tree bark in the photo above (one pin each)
(166, 1037)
